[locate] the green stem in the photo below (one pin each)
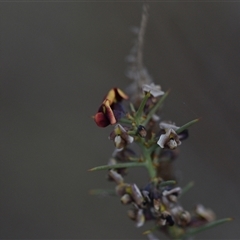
(148, 163)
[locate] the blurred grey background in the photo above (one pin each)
(58, 60)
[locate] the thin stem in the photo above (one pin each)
(194, 231)
(115, 166)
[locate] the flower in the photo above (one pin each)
(170, 195)
(111, 110)
(120, 137)
(169, 140)
(165, 125)
(155, 90)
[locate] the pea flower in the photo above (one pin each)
(111, 110)
(165, 125)
(120, 137)
(155, 90)
(169, 140)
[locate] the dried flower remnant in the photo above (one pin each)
(205, 213)
(155, 90)
(170, 125)
(169, 140)
(170, 195)
(120, 137)
(166, 125)
(111, 109)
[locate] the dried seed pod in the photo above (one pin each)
(126, 199)
(146, 196)
(184, 218)
(205, 213)
(115, 176)
(132, 214)
(137, 195)
(172, 198)
(140, 219)
(157, 204)
(121, 189)
(167, 217)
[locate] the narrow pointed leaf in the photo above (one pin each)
(186, 188)
(155, 108)
(103, 192)
(141, 107)
(151, 230)
(152, 237)
(132, 133)
(167, 183)
(207, 226)
(187, 125)
(134, 159)
(120, 165)
(132, 108)
(125, 120)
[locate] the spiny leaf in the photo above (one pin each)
(155, 108)
(115, 166)
(187, 188)
(187, 125)
(151, 230)
(125, 120)
(141, 107)
(166, 183)
(102, 192)
(132, 108)
(207, 226)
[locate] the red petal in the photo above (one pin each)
(101, 120)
